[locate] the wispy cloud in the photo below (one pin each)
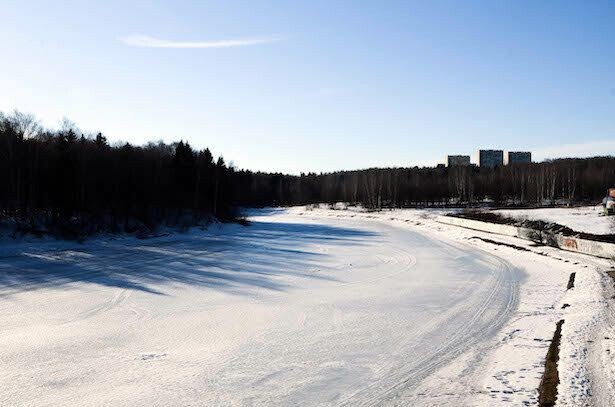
(580, 150)
(151, 42)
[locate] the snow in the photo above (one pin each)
(310, 307)
(588, 219)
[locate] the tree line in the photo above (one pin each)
(561, 181)
(76, 184)
(80, 184)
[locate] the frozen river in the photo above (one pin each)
(291, 310)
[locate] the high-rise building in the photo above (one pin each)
(490, 158)
(457, 160)
(517, 157)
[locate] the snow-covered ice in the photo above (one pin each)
(315, 307)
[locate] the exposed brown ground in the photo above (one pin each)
(547, 392)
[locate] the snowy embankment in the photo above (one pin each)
(587, 219)
(302, 307)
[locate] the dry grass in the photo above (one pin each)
(571, 281)
(547, 392)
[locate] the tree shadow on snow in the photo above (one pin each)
(234, 258)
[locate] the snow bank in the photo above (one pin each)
(588, 219)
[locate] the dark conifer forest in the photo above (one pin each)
(75, 184)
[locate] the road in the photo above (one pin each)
(291, 310)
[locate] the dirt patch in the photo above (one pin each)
(512, 246)
(611, 273)
(571, 281)
(547, 391)
(243, 222)
(490, 217)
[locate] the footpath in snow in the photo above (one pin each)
(310, 307)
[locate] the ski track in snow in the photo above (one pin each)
(301, 308)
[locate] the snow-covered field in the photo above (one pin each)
(588, 219)
(302, 307)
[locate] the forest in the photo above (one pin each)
(562, 181)
(66, 182)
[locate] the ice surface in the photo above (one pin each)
(316, 307)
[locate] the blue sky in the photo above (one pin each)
(320, 85)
